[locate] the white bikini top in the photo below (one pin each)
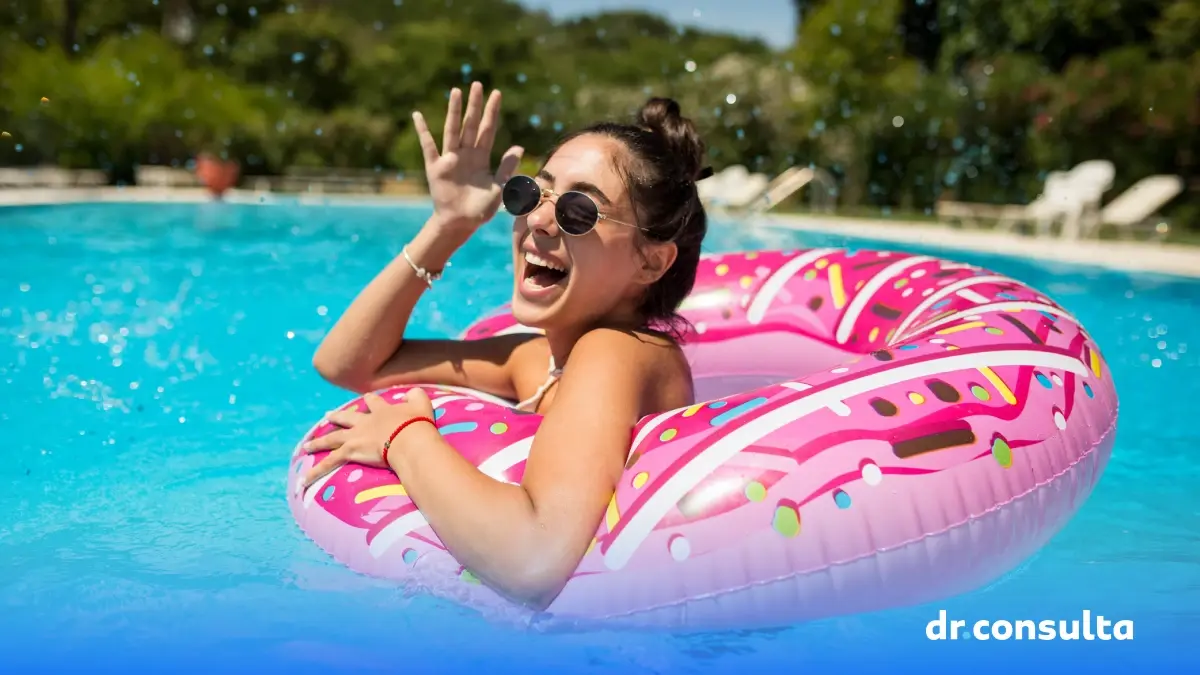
(533, 401)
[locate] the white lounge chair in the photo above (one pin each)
(1083, 191)
(793, 180)
(1069, 197)
(733, 189)
(1135, 207)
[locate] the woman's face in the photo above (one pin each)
(564, 282)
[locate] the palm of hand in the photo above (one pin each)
(462, 185)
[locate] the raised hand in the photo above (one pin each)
(465, 190)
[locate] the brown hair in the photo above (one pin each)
(664, 158)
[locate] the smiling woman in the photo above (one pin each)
(600, 275)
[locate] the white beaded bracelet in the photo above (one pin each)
(422, 273)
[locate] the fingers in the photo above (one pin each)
(452, 132)
(323, 467)
(429, 148)
(375, 402)
(345, 418)
(508, 164)
(417, 395)
(330, 441)
(470, 130)
(487, 128)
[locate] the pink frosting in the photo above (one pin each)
(882, 429)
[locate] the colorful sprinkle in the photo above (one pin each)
(961, 327)
(1002, 452)
(1088, 390)
(751, 255)
(907, 347)
(1056, 379)
(473, 407)
(1005, 393)
(916, 398)
(873, 334)
(739, 410)
(437, 414)
(612, 516)
(715, 405)
(841, 499)
(393, 490)
(327, 493)
(668, 435)
(836, 288)
(1060, 421)
(722, 270)
(679, 547)
(640, 479)
(884, 407)
(745, 282)
(918, 274)
(980, 393)
(468, 577)
(693, 410)
(821, 264)
(459, 428)
(992, 330)
(354, 476)
(871, 473)
(755, 491)
(498, 428)
(409, 556)
(810, 275)
(944, 392)
(786, 520)
(1095, 363)
(900, 283)
(1043, 380)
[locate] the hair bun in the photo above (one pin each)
(662, 116)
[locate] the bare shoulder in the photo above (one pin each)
(653, 362)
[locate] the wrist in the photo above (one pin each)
(415, 431)
(434, 244)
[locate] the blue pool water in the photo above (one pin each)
(155, 374)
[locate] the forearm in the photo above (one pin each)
(372, 328)
(490, 527)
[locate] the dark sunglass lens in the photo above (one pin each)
(521, 195)
(576, 213)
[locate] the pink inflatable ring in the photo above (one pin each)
(878, 429)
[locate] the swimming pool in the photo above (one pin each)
(155, 374)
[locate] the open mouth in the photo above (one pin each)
(543, 273)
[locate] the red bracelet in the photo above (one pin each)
(400, 428)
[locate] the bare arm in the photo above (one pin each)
(366, 349)
(526, 540)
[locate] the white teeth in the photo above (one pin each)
(538, 260)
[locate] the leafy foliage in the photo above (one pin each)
(905, 101)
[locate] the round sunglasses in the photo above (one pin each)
(576, 212)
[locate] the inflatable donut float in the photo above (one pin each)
(876, 430)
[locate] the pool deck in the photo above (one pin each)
(1130, 256)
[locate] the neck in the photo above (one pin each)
(562, 341)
